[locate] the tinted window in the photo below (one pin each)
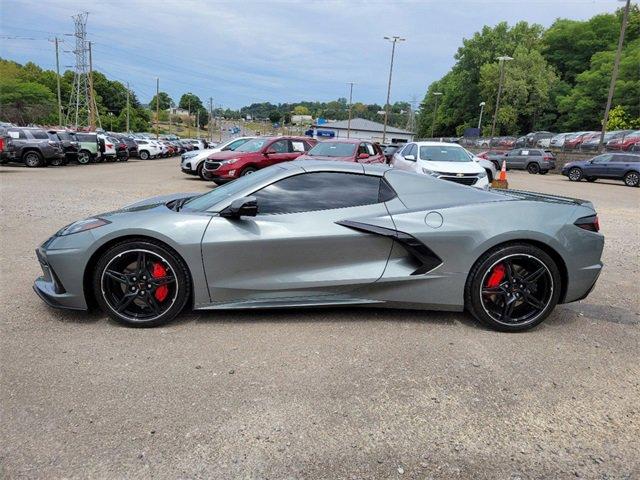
(281, 146)
(535, 153)
(39, 134)
(85, 137)
(318, 191)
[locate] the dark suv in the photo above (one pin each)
(33, 147)
(69, 142)
(613, 166)
(533, 160)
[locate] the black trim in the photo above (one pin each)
(415, 247)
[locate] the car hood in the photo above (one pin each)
(452, 167)
(157, 200)
(228, 154)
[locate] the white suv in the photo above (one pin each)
(447, 161)
(147, 149)
(193, 162)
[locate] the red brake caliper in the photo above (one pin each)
(162, 291)
(496, 277)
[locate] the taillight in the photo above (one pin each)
(1, 144)
(109, 145)
(590, 223)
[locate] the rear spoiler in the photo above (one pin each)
(557, 198)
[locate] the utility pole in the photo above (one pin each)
(189, 119)
(435, 111)
(197, 123)
(92, 99)
(58, 83)
(482, 104)
(393, 40)
(502, 60)
(614, 75)
(209, 125)
(157, 104)
(127, 107)
(350, 105)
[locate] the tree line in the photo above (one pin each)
(558, 79)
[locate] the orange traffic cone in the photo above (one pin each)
(501, 182)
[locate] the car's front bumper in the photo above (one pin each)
(52, 290)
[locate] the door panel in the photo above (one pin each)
(271, 257)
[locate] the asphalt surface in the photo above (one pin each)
(325, 393)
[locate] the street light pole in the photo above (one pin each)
(614, 75)
(502, 60)
(482, 104)
(350, 105)
(435, 111)
(393, 40)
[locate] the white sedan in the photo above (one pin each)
(447, 161)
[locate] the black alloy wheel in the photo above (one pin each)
(141, 284)
(575, 174)
(513, 288)
(533, 168)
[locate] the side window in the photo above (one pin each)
(308, 146)
(410, 149)
(297, 146)
(602, 158)
(535, 153)
(17, 134)
(318, 191)
(281, 146)
(362, 148)
(370, 149)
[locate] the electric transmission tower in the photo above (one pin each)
(411, 118)
(82, 111)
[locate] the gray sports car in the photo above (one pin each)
(309, 233)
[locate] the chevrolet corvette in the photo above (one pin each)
(312, 234)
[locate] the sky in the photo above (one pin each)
(245, 51)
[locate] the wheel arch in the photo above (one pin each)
(552, 252)
(91, 264)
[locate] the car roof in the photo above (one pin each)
(344, 140)
(332, 166)
(436, 144)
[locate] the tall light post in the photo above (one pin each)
(395, 39)
(435, 111)
(482, 104)
(350, 105)
(614, 74)
(502, 59)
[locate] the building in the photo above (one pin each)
(363, 129)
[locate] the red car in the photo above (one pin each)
(258, 153)
(345, 150)
(625, 143)
(575, 142)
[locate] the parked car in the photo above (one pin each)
(33, 147)
(6, 147)
(253, 155)
(446, 161)
(389, 150)
(488, 165)
(107, 148)
(533, 160)
(345, 150)
(593, 143)
(89, 147)
(192, 163)
(614, 166)
(69, 143)
(147, 149)
(532, 139)
(557, 141)
(132, 146)
(626, 142)
(575, 142)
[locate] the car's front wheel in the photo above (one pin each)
(144, 155)
(513, 288)
(575, 174)
(200, 171)
(248, 171)
(141, 283)
(632, 179)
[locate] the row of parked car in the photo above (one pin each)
(38, 147)
(617, 140)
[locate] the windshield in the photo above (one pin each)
(208, 200)
(443, 154)
(252, 145)
(333, 149)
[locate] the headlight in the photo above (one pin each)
(230, 161)
(482, 174)
(433, 173)
(83, 225)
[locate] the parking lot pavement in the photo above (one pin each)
(323, 393)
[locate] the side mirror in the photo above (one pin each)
(362, 156)
(270, 151)
(411, 158)
(241, 207)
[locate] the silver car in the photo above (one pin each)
(307, 233)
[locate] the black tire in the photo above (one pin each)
(575, 174)
(56, 162)
(200, 171)
(84, 157)
(590, 179)
(632, 179)
(32, 159)
(248, 171)
(543, 172)
(137, 295)
(489, 175)
(512, 296)
(533, 168)
(496, 164)
(144, 155)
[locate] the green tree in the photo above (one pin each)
(275, 116)
(165, 101)
(26, 102)
(190, 101)
(301, 110)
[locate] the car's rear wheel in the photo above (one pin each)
(575, 174)
(248, 171)
(533, 168)
(144, 155)
(141, 283)
(32, 159)
(84, 157)
(632, 179)
(513, 288)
